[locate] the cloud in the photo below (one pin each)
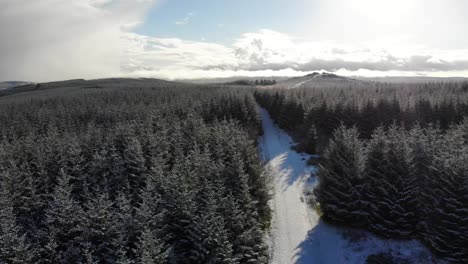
(93, 39)
(185, 20)
(271, 52)
(274, 53)
(55, 39)
(147, 53)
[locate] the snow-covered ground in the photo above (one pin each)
(297, 234)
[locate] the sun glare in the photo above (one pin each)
(383, 11)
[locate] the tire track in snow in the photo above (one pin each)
(292, 218)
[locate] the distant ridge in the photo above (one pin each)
(11, 84)
(412, 79)
(90, 84)
(317, 78)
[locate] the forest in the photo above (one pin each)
(135, 171)
(312, 113)
(130, 174)
(394, 157)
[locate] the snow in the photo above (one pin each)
(301, 83)
(298, 235)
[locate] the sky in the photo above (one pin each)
(45, 40)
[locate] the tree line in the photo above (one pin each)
(132, 175)
(311, 114)
(261, 82)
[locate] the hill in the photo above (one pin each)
(90, 84)
(11, 84)
(318, 79)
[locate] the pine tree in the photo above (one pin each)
(447, 231)
(134, 166)
(249, 246)
(211, 226)
(180, 216)
(446, 224)
(99, 228)
(151, 216)
(63, 219)
(312, 140)
(341, 181)
(29, 203)
(13, 245)
(247, 240)
(127, 225)
(151, 248)
(375, 171)
(421, 170)
(393, 191)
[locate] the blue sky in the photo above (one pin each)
(46, 40)
(221, 21)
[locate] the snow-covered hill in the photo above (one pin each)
(298, 235)
(318, 79)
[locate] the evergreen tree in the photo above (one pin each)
(151, 217)
(63, 218)
(180, 217)
(127, 225)
(421, 170)
(151, 248)
(100, 229)
(134, 166)
(392, 194)
(341, 181)
(312, 140)
(13, 245)
(212, 226)
(446, 233)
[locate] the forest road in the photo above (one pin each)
(292, 217)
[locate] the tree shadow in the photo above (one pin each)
(328, 244)
(320, 246)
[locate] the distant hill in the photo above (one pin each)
(412, 79)
(11, 84)
(89, 84)
(317, 78)
(331, 79)
(231, 80)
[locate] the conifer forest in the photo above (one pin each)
(233, 132)
(149, 171)
(394, 157)
(167, 174)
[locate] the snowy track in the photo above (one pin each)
(292, 220)
(297, 233)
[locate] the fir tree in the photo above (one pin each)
(99, 228)
(341, 181)
(13, 245)
(392, 193)
(151, 248)
(312, 140)
(63, 218)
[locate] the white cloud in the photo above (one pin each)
(274, 53)
(55, 39)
